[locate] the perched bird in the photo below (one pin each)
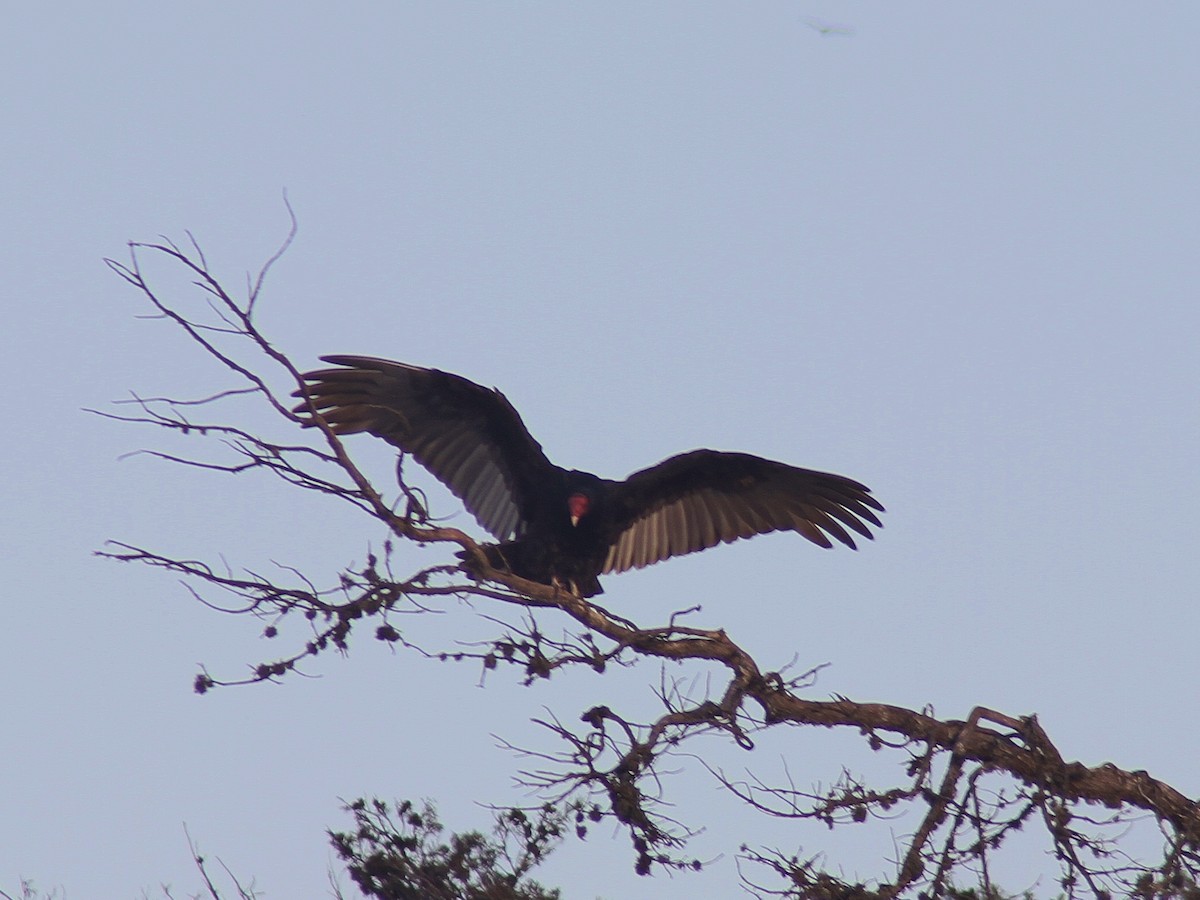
(564, 527)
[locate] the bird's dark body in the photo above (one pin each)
(548, 548)
(474, 442)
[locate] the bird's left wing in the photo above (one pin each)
(470, 437)
(699, 499)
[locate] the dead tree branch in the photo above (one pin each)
(967, 785)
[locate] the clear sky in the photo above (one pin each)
(951, 253)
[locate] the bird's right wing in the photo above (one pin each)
(699, 499)
(468, 436)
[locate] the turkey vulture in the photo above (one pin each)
(559, 526)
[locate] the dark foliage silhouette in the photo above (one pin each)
(399, 853)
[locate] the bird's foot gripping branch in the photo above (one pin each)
(963, 788)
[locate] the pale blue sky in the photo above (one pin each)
(952, 254)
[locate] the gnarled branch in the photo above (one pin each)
(970, 784)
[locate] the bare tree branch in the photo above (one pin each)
(968, 785)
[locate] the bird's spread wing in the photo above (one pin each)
(699, 499)
(468, 436)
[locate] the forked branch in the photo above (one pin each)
(966, 785)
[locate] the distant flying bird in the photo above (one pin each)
(825, 29)
(565, 527)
